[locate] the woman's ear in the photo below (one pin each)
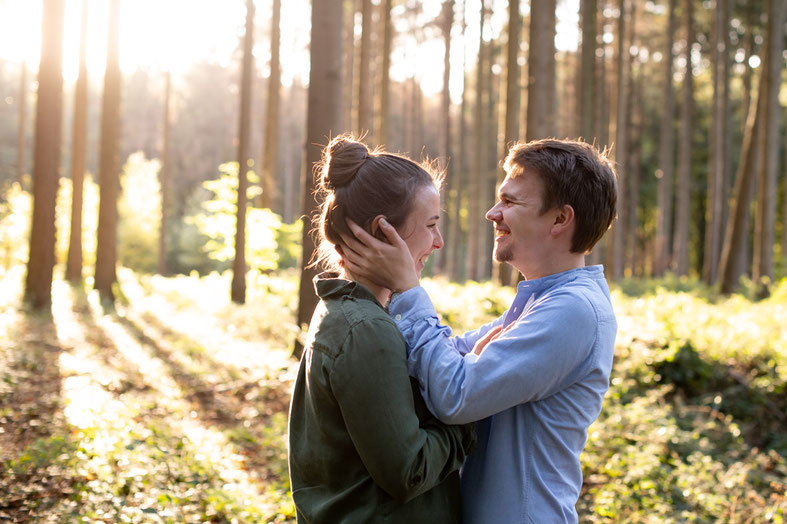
(375, 228)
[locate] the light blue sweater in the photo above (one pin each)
(535, 390)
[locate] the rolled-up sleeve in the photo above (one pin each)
(543, 352)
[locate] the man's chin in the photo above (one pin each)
(502, 255)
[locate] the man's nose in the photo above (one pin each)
(494, 214)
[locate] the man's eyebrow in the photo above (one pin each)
(508, 196)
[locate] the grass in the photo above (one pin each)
(171, 405)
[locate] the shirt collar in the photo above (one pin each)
(539, 284)
(329, 285)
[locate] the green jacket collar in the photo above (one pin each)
(328, 285)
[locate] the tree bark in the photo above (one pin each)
(109, 181)
(46, 158)
(348, 64)
(238, 292)
(385, 83)
(447, 22)
(476, 172)
(716, 176)
(513, 94)
(731, 265)
(365, 78)
(458, 184)
(541, 71)
(269, 161)
(587, 71)
(615, 255)
(21, 137)
(164, 176)
(323, 117)
(74, 260)
(767, 186)
(680, 249)
(662, 252)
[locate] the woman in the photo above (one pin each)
(363, 446)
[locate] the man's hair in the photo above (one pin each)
(573, 173)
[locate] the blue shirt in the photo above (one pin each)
(535, 390)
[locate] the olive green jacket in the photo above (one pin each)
(363, 447)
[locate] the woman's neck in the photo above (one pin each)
(383, 294)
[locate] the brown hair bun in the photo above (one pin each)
(344, 156)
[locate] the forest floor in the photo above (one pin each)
(155, 410)
(170, 405)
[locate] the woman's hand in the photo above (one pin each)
(386, 264)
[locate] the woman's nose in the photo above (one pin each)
(438, 239)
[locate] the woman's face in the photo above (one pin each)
(420, 231)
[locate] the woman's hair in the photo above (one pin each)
(359, 184)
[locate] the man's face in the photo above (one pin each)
(522, 232)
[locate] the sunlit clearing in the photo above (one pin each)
(90, 406)
(199, 322)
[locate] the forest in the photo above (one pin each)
(156, 201)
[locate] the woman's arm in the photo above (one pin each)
(372, 386)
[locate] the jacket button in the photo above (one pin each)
(398, 317)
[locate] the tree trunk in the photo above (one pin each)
(716, 176)
(541, 71)
(748, 46)
(600, 120)
(74, 260)
(680, 247)
(46, 158)
(269, 161)
(513, 94)
(476, 172)
(447, 22)
(239, 263)
(385, 83)
(767, 186)
(615, 255)
(587, 71)
(731, 265)
(364, 73)
(164, 176)
(21, 137)
(458, 183)
(662, 253)
(109, 181)
(323, 116)
(634, 161)
(348, 64)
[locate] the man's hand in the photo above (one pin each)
(494, 334)
(386, 264)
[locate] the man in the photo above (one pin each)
(534, 378)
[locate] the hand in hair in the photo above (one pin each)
(386, 264)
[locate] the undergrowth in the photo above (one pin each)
(171, 405)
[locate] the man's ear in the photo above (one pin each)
(564, 220)
(375, 228)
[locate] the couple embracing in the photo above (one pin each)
(393, 419)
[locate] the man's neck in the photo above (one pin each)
(554, 266)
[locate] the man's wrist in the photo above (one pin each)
(408, 284)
